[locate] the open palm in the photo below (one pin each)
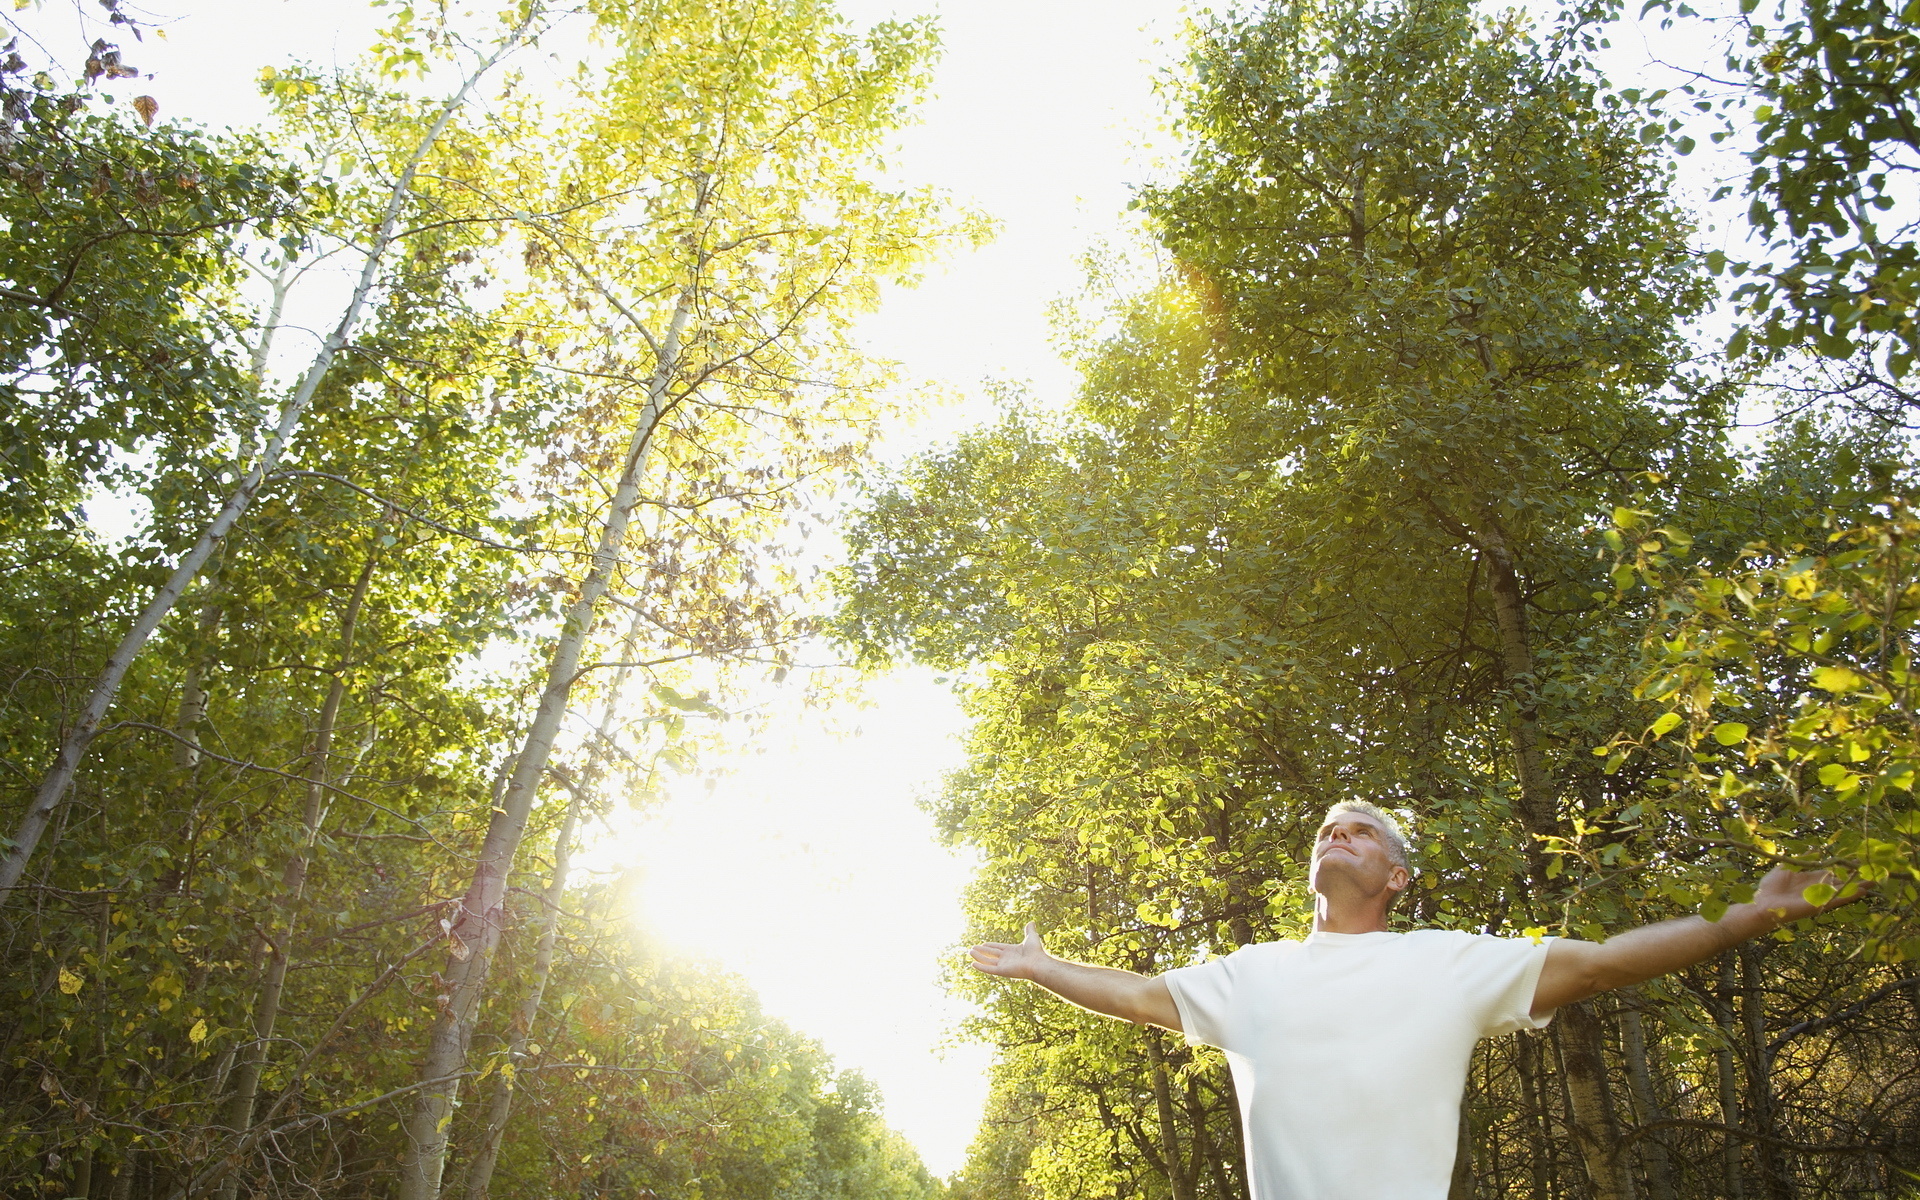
(1783, 893)
(1013, 960)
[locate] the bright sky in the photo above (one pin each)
(810, 869)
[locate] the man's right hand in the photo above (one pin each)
(1141, 999)
(1021, 960)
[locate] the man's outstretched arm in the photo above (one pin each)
(1142, 999)
(1576, 970)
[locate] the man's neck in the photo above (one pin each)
(1331, 916)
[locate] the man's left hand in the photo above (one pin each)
(1575, 970)
(1782, 894)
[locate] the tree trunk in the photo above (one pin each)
(477, 930)
(1178, 1178)
(1493, 1166)
(1237, 1152)
(1539, 809)
(1595, 1129)
(1534, 1103)
(277, 943)
(1729, 1089)
(122, 1188)
(1581, 1038)
(1653, 1147)
(480, 1174)
(1753, 1013)
(1239, 923)
(193, 692)
(1204, 1149)
(1461, 1185)
(53, 786)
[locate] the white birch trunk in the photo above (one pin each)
(480, 1175)
(477, 930)
(501, 1110)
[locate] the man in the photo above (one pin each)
(1349, 1049)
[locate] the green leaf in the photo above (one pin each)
(1665, 723)
(1729, 733)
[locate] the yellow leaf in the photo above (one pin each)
(1536, 932)
(1838, 679)
(69, 982)
(198, 1033)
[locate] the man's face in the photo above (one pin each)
(1354, 848)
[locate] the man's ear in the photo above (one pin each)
(1400, 880)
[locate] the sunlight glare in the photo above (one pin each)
(810, 870)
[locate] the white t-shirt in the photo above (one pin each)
(1350, 1051)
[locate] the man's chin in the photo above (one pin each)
(1328, 873)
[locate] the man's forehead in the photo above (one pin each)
(1353, 816)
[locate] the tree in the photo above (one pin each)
(73, 746)
(219, 969)
(1324, 522)
(1837, 139)
(1434, 328)
(758, 234)
(1804, 649)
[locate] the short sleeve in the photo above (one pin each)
(1498, 976)
(1204, 996)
